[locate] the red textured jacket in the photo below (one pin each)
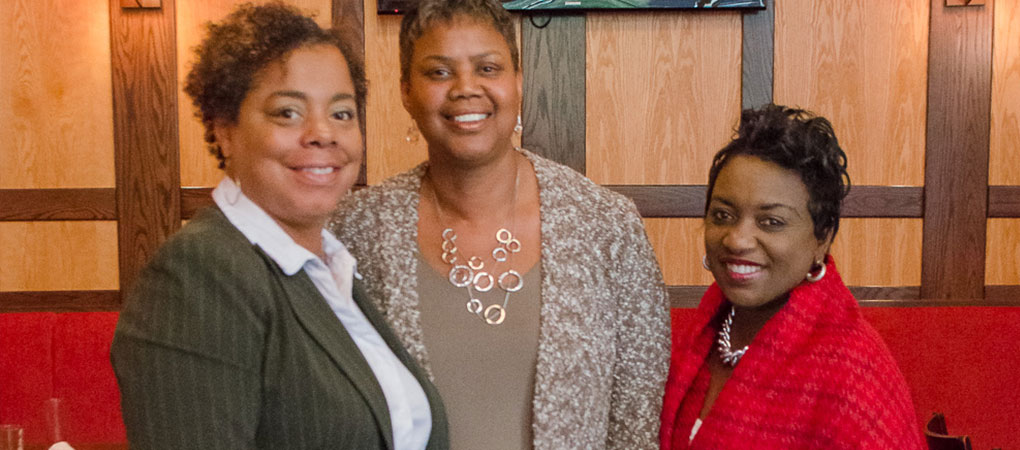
(816, 376)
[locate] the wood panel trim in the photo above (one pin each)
(956, 156)
(680, 297)
(756, 59)
(936, 303)
(876, 296)
(689, 200)
(348, 18)
(553, 107)
(884, 201)
(689, 296)
(885, 293)
(1004, 201)
(59, 301)
(664, 200)
(1009, 294)
(58, 204)
(685, 296)
(146, 147)
(194, 199)
(652, 201)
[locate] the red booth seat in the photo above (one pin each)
(962, 361)
(65, 356)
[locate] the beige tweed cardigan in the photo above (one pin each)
(603, 349)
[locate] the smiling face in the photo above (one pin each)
(759, 235)
(463, 90)
(296, 146)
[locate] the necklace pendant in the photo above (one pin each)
(461, 275)
(474, 306)
(494, 314)
(467, 272)
(728, 356)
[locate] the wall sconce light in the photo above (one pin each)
(138, 4)
(965, 2)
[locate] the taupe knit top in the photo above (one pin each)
(604, 344)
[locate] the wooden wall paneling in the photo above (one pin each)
(875, 295)
(1002, 263)
(879, 252)
(55, 100)
(665, 201)
(863, 201)
(198, 166)
(685, 296)
(58, 204)
(868, 296)
(884, 201)
(1004, 201)
(59, 301)
(956, 160)
(861, 64)
(553, 112)
(877, 258)
(756, 62)
(663, 94)
(145, 133)
(349, 18)
(926, 303)
(1004, 157)
(679, 245)
(1003, 295)
(194, 199)
(65, 255)
(388, 152)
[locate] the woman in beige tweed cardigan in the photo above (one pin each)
(604, 335)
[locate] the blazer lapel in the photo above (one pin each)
(323, 325)
(439, 436)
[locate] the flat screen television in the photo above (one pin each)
(399, 6)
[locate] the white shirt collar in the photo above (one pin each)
(260, 229)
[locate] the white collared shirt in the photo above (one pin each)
(405, 398)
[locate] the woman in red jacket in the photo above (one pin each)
(778, 355)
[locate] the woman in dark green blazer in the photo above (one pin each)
(249, 328)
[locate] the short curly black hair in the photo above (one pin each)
(242, 44)
(429, 12)
(800, 141)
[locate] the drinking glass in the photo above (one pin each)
(11, 437)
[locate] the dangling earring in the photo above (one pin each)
(412, 136)
(237, 196)
(814, 277)
(519, 127)
(704, 263)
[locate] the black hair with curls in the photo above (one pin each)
(242, 44)
(430, 12)
(796, 140)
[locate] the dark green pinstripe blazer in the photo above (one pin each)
(217, 348)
